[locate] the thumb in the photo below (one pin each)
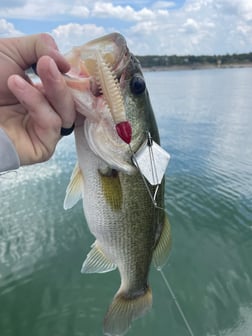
(27, 50)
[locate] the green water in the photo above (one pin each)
(205, 122)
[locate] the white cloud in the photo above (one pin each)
(104, 10)
(163, 4)
(7, 29)
(127, 13)
(151, 27)
(41, 9)
(74, 34)
(191, 26)
(199, 27)
(81, 11)
(236, 7)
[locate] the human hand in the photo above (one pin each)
(32, 114)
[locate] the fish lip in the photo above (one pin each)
(121, 67)
(122, 64)
(119, 53)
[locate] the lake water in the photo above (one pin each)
(205, 122)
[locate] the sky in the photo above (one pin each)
(181, 27)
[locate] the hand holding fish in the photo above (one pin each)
(31, 114)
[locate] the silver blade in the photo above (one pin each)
(152, 161)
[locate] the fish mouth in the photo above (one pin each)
(111, 48)
(102, 64)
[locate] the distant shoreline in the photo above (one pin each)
(197, 67)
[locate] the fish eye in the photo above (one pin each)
(137, 85)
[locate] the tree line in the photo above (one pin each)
(191, 60)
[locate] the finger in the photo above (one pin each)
(38, 108)
(27, 50)
(56, 90)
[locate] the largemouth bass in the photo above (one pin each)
(124, 212)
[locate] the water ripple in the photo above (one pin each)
(206, 127)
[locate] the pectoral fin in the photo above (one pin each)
(163, 247)
(74, 189)
(112, 189)
(97, 262)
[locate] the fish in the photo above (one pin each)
(123, 210)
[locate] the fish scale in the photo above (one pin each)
(130, 229)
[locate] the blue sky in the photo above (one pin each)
(151, 27)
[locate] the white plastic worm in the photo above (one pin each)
(110, 89)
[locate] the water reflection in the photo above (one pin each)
(205, 121)
(209, 191)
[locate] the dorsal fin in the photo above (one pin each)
(74, 188)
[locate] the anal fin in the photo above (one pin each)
(97, 262)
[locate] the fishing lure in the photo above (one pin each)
(110, 89)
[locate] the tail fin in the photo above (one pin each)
(124, 310)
